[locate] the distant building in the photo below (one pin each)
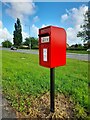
(74, 46)
(87, 45)
(24, 46)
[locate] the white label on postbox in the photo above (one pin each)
(44, 39)
(45, 54)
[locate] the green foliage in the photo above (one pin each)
(80, 112)
(76, 46)
(31, 41)
(77, 51)
(27, 41)
(34, 42)
(0, 68)
(85, 32)
(7, 44)
(17, 39)
(23, 78)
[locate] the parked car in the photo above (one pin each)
(13, 48)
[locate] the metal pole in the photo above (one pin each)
(29, 33)
(29, 36)
(52, 87)
(7, 43)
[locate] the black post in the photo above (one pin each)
(52, 87)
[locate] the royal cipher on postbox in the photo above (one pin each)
(52, 46)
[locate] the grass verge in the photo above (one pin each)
(23, 80)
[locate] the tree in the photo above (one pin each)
(27, 41)
(17, 39)
(7, 44)
(34, 42)
(85, 32)
(31, 41)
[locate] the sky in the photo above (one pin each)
(35, 15)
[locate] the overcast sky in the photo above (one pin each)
(35, 15)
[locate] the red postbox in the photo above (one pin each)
(52, 46)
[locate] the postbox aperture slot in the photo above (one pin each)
(43, 35)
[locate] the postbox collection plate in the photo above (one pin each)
(45, 54)
(44, 39)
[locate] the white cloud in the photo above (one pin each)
(64, 17)
(4, 34)
(24, 34)
(43, 25)
(75, 18)
(77, 14)
(0, 24)
(36, 18)
(21, 10)
(72, 36)
(34, 31)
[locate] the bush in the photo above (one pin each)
(28, 47)
(77, 49)
(6, 44)
(35, 47)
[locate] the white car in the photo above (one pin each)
(13, 48)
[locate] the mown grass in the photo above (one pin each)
(23, 78)
(0, 70)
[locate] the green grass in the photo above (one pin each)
(78, 51)
(23, 78)
(0, 68)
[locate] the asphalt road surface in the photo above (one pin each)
(7, 111)
(84, 57)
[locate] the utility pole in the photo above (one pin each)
(29, 33)
(7, 43)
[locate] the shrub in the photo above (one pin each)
(6, 44)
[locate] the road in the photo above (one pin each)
(84, 57)
(7, 111)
